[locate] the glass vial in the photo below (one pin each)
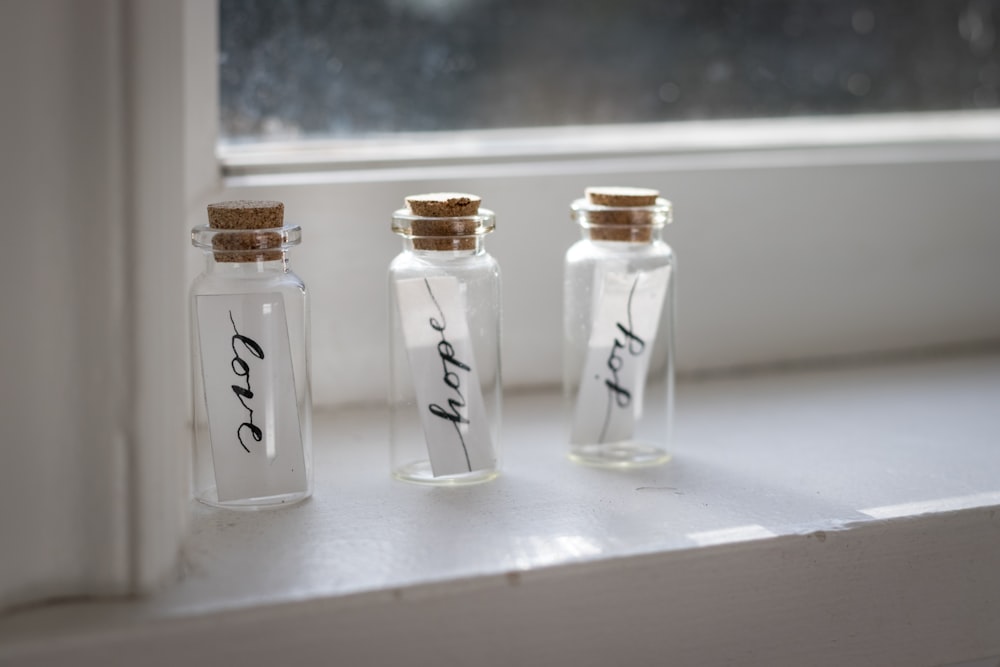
(444, 347)
(250, 361)
(618, 329)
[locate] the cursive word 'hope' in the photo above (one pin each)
(450, 367)
(244, 393)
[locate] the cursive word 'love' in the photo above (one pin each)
(244, 393)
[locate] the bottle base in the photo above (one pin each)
(419, 472)
(250, 504)
(624, 454)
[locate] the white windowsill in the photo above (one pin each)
(827, 516)
(517, 148)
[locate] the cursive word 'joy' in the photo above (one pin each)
(450, 368)
(629, 342)
(244, 393)
(634, 345)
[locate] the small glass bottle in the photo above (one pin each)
(444, 347)
(250, 361)
(618, 329)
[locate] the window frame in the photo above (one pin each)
(595, 142)
(343, 192)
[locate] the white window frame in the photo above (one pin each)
(768, 211)
(682, 139)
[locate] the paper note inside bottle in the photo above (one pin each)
(250, 396)
(443, 368)
(626, 309)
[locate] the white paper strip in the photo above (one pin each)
(250, 396)
(443, 368)
(627, 307)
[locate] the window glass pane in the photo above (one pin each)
(342, 68)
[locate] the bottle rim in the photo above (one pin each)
(242, 240)
(590, 215)
(409, 225)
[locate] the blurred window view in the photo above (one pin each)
(353, 69)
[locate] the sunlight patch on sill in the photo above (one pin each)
(934, 506)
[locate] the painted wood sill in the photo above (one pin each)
(837, 516)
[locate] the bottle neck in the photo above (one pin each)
(219, 266)
(622, 234)
(443, 248)
(622, 224)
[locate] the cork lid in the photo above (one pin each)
(621, 196)
(444, 204)
(246, 231)
(617, 213)
(443, 221)
(246, 214)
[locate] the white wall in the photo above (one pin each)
(61, 179)
(74, 391)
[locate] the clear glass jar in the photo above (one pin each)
(444, 349)
(618, 330)
(250, 365)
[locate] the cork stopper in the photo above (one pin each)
(444, 204)
(251, 246)
(619, 196)
(615, 213)
(447, 220)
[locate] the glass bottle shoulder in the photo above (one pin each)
(639, 255)
(410, 264)
(246, 281)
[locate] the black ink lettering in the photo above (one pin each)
(244, 367)
(453, 415)
(241, 394)
(635, 344)
(622, 396)
(447, 352)
(244, 393)
(255, 432)
(451, 378)
(615, 362)
(617, 394)
(249, 343)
